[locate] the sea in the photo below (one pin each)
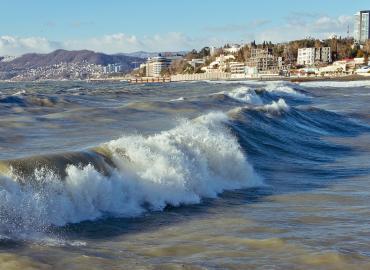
(187, 175)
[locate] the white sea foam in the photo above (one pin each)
(283, 87)
(244, 94)
(269, 86)
(337, 84)
(20, 92)
(197, 159)
(178, 99)
(276, 106)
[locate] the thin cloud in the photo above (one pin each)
(314, 26)
(113, 43)
(319, 27)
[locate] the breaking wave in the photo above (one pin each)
(275, 106)
(272, 87)
(195, 160)
(244, 94)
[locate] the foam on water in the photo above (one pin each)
(272, 86)
(178, 99)
(275, 106)
(244, 94)
(197, 159)
(282, 87)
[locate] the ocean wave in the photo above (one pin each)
(244, 94)
(20, 92)
(23, 100)
(269, 86)
(197, 159)
(282, 87)
(275, 106)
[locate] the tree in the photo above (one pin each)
(360, 53)
(367, 51)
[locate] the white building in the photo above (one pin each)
(155, 65)
(113, 68)
(237, 68)
(220, 64)
(212, 50)
(196, 62)
(311, 56)
(362, 26)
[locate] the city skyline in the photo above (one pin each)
(114, 27)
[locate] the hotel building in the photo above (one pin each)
(362, 26)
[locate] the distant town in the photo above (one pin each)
(332, 57)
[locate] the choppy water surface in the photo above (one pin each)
(211, 175)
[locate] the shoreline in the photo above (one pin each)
(348, 78)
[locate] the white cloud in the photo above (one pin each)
(12, 45)
(114, 43)
(121, 42)
(296, 26)
(309, 26)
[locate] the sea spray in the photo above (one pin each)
(275, 107)
(244, 94)
(197, 159)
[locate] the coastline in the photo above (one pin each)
(339, 78)
(354, 77)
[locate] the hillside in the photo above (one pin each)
(34, 60)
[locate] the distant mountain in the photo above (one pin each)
(35, 60)
(24, 63)
(143, 54)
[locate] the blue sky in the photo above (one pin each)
(125, 26)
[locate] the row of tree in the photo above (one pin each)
(341, 48)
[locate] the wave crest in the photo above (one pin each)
(244, 94)
(197, 159)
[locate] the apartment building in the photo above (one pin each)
(237, 68)
(155, 65)
(362, 26)
(312, 56)
(263, 60)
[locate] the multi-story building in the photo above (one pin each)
(362, 26)
(113, 68)
(196, 62)
(323, 55)
(155, 65)
(312, 56)
(237, 68)
(263, 60)
(220, 64)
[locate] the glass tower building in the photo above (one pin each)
(362, 26)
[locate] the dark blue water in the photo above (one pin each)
(208, 175)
